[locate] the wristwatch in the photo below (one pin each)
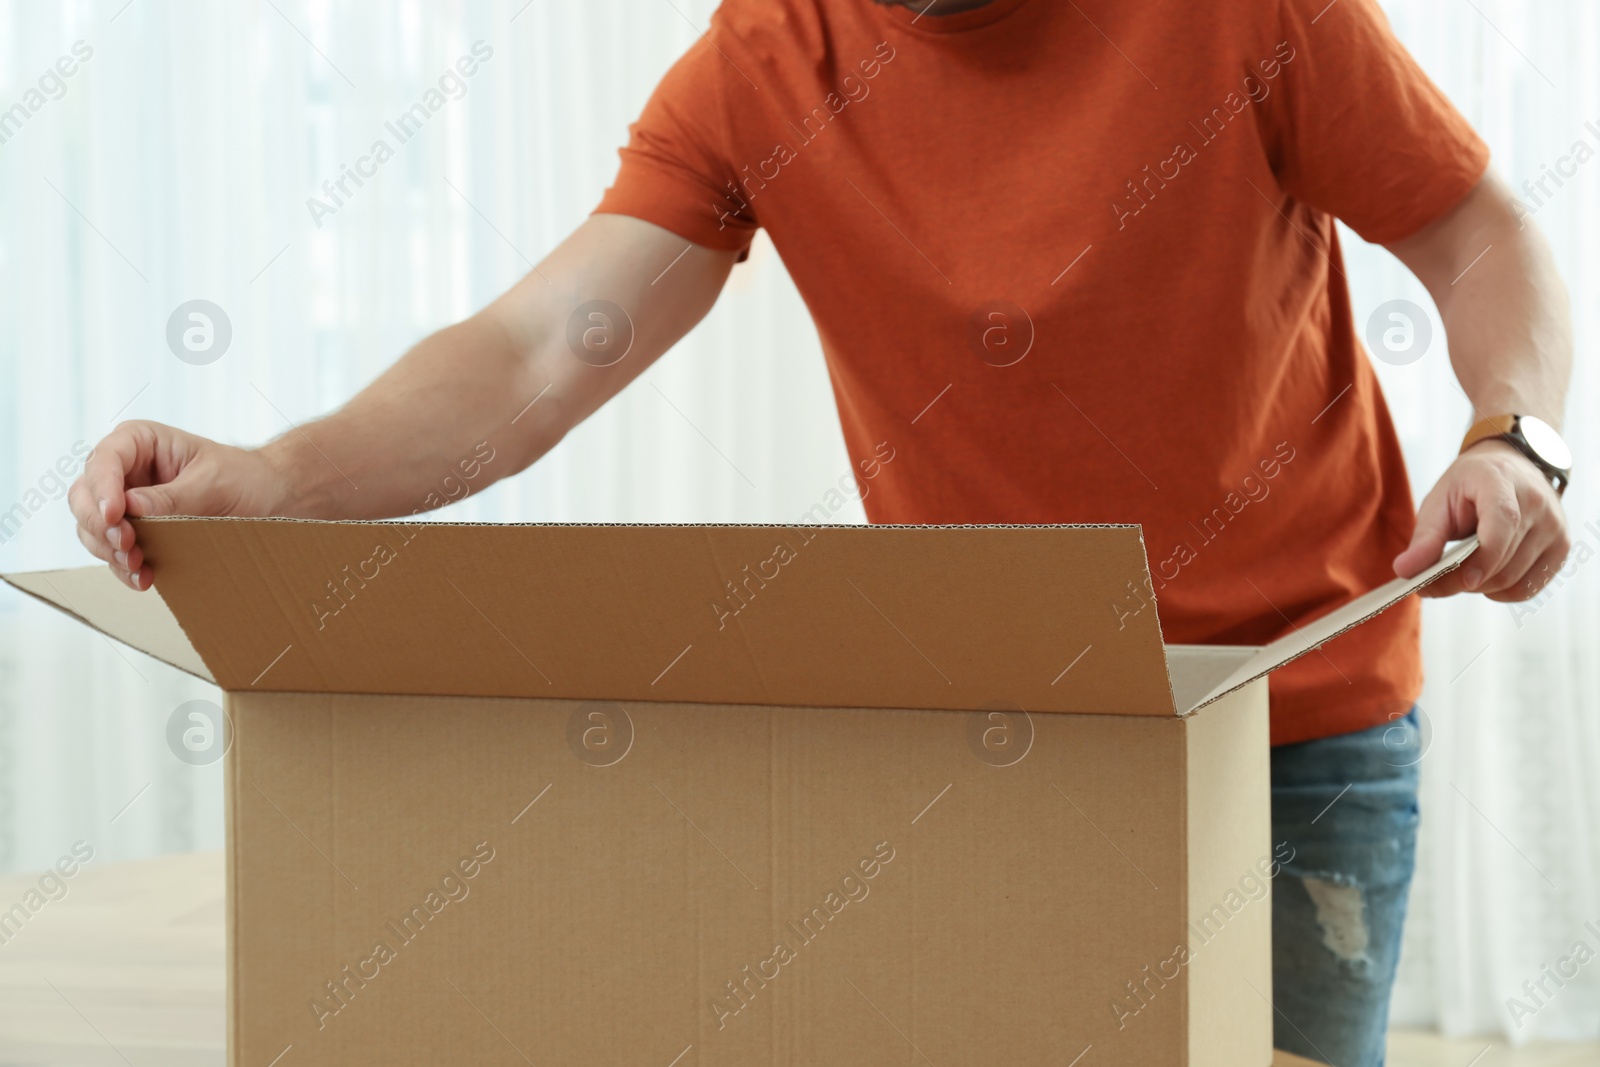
(1534, 438)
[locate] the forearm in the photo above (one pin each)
(505, 383)
(438, 425)
(1505, 311)
(1509, 328)
(1504, 306)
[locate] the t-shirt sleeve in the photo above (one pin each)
(1356, 128)
(677, 165)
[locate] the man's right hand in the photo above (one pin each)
(514, 378)
(145, 468)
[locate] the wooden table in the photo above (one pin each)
(126, 968)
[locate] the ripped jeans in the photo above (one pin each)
(1347, 805)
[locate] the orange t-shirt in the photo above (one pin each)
(1076, 263)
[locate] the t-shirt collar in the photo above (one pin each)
(933, 22)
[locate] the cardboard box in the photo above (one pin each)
(722, 795)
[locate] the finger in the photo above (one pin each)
(139, 579)
(1500, 531)
(106, 472)
(189, 492)
(81, 503)
(1530, 572)
(1541, 524)
(1435, 526)
(1451, 584)
(1517, 568)
(131, 560)
(97, 546)
(150, 500)
(120, 535)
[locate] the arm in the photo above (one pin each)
(386, 452)
(1511, 346)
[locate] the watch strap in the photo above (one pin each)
(1495, 426)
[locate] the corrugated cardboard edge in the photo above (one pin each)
(1155, 606)
(1358, 611)
(419, 520)
(154, 607)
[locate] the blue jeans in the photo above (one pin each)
(1347, 806)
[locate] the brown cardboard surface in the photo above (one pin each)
(828, 616)
(1229, 905)
(1196, 670)
(1019, 905)
(95, 597)
(451, 704)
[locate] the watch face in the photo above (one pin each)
(1544, 440)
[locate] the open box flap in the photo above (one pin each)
(1303, 639)
(95, 597)
(926, 617)
(1197, 669)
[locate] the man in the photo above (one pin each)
(1077, 262)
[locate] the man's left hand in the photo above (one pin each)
(1493, 490)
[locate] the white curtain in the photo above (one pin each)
(175, 163)
(1509, 874)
